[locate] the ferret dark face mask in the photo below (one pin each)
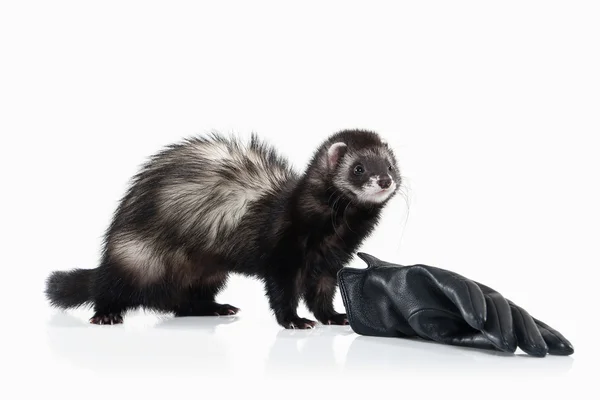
(368, 174)
(392, 300)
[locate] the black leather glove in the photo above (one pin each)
(391, 300)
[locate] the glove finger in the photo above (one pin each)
(465, 295)
(499, 325)
(473, 339)
(448, 328)
(529, 338)
(438, 325)
(557, 343)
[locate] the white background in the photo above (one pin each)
(493, 110)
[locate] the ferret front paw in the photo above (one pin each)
(106, 319)
(300, 323)
(226, 309)
(336, 319)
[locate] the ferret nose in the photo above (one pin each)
(385, 182)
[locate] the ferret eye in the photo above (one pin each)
(359, 170)
(390, 167)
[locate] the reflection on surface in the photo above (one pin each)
(220, 345)
(393, 355)
(309, 351)
(312, 353)
(177, 344)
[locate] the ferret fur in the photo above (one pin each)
(209, 206)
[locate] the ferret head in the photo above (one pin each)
(362, 166)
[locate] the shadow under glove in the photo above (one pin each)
(391, 300)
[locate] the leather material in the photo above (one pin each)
(392, 300)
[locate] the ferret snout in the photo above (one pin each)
(384, 182)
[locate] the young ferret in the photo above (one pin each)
(212, 205)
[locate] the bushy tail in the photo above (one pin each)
(69, 289)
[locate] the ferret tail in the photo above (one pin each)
(70, 289)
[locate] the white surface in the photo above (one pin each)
(493, 111)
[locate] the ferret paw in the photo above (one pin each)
(336, 319)
(226, 309)
(300, 323)
(106, 319)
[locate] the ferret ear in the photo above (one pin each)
(335, 152)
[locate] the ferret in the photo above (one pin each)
(211, 205)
